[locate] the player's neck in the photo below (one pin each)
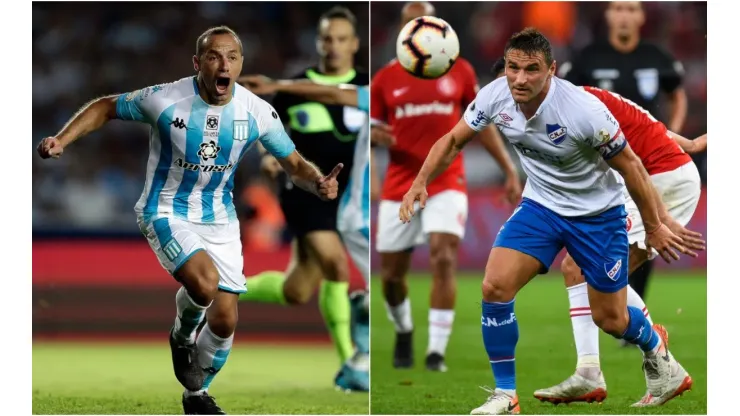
(624, 45)
(338, 71)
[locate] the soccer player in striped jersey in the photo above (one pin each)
(201, 127)
(353, 219)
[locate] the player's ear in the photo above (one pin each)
(553, 67)
(196, 63)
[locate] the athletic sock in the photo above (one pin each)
(500, 335)
(189, 316)
(400, 315)
(640, 332)
(440, 328)
(585, 331)
(212, 354)
(335, 308)
(265, 287)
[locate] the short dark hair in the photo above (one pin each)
(498, 67)
(530, 41)
(340, 12)
(202, 41)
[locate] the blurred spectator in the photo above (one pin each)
(83, 51)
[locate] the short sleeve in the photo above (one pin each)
(363, 98)
(142, 105)
(599, 129)
(671, 72)
(478, 114)
(378, 107)
(272, 133)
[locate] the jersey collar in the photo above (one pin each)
(548, 97)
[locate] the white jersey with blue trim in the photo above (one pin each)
(354, 205)
(562, 148)
(194, 148)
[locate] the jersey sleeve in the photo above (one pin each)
(363, 98)
(142, 105)
(378, 108)
(470, 82)
(272, 132)
(599, 129)
(671, 72)
(478, 115)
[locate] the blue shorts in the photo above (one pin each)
(598, 244)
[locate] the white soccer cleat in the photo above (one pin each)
(665, 377)
(498, 403)
(575, 388)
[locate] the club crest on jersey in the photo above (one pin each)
(241, 129)
(612, 269)
(556, 133)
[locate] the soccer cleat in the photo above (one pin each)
(360, 320)
(349, 380)
(202, 404)
(403, 354)
(185, 364)
(498, 403)
(665, 377)
(575, 388)
(436, 362)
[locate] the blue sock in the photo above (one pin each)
(500, 335)
(639, 331)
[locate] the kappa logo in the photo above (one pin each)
(180, 124)
(612, 270)
(556, 133)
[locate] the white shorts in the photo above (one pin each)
(174, 241)
(679, 189)
(445, 212)
(358, 245)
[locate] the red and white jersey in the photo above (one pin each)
(420, 111)
(647, 136)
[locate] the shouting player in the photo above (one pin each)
(323, 133)
(677, 181)
(418, 112)
(353, 219)
(571, 148)
(201, 128)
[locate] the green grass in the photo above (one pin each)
(138, 379)
(545, 352)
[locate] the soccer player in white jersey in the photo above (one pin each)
(571, 149)
(201, 127)
(353, 220)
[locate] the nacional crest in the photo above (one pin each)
(556, 133)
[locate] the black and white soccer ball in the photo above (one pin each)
(427, 47)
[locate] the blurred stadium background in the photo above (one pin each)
(676, 295)
(94, 276)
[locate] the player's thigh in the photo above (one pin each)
(445, 213)
(638, 257)
(358, 246)
(325, 247)
(224, 246)
(393, 236)
(572, 274)
(600, 247)
(507, 271)
(179, 249)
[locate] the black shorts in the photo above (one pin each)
(305, 212)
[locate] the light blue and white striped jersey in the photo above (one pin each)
(194, 148)
(354, 207)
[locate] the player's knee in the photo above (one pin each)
(571, 272)
(334, 268)
(443, 262)
(298, 294)
(494, 290)
(203, 286)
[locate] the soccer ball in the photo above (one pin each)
(427, 47)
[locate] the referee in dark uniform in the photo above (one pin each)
(635, 69)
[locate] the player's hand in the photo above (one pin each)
(270, 166)
(513, 189)
(692, 240)
(50, 147)
(382, 135)
(328, 187)
(418, 192)
(665, 242)
(259, 84)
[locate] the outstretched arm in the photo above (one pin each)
(326, 94)
(697, 145)
(308, 177)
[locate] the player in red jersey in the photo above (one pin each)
(677, 181)
(412, 113)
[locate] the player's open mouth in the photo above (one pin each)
(222, 84)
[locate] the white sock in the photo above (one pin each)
(401, 316)
(212, 354)
(189, 315)
(585, 331)
(633, 299)
(440, 328)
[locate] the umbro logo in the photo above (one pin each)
(179, 123)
